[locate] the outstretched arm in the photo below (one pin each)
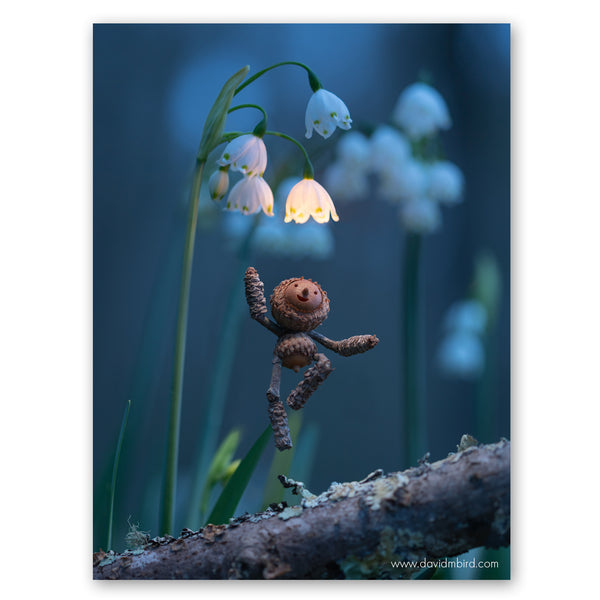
(256, 301)
(352, 345)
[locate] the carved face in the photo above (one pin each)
(299, 304)
(304, 295)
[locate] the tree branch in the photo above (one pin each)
(352, 530)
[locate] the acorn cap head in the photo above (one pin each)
(299, 304)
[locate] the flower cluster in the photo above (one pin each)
(398, 157)
(461, 352)
(247, 154)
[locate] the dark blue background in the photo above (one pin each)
(153, 86)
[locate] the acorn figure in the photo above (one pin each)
(299, 306)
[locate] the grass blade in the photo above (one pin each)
(232, 493)
(221, 462)
(114, 476)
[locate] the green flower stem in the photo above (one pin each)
(415, 439)
(220, 378)
(239, 106)
(315, 84)
(113, 484)
(170, 483)
(308, 168)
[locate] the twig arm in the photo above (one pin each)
(255, 297)
(348, 347)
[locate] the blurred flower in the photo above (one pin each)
(324, 112)
(420, 215)
(354, 149)
(246, 153)
(250, 194)
(346, 178)
(346, 182)
(409, 180)
(218, 184)
(309, 198)
(289, 240)
(468, 316)
(446, 182)
(461, 354)
(389, 149)
(421, 111)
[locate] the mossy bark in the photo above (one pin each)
(427, 512)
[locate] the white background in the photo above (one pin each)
(46, 243)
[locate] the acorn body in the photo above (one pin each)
(296, 350)
(299, 304)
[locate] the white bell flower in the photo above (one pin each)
(421, 111)
(247, 154)
(249, 195)
(324, 112)
(309, 198)
(420, 215)
(218, 184)
(446, 182)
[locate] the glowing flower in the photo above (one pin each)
(421, 111)
(250, 194)
(218, 184)
(324, 112)
(446, 182)
(420, 215)
(246, 153)
(309, 198)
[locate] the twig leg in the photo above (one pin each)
(313, 378)
(277, 414)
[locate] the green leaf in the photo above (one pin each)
(215, 121)
(232, 493)
(223, 456)
(220, 464)
(113, 484)
(487, 284)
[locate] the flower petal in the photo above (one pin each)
(249, 195)
(308, 198)
(247, 154)
(324, 112)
